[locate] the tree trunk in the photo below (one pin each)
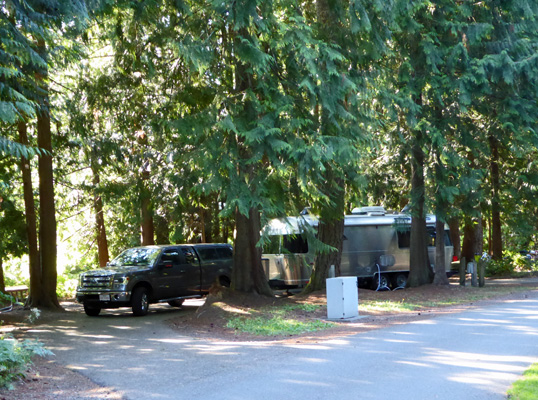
(440, 277)
(496, 234)
(248, 274)
(455, 237)
(31, 223)
(420, 272)
(472, 239)
(332, 211)
(330, 232)
(162, 228)
(47, 209)
(100, 230)
(2, 280)
(146, 211)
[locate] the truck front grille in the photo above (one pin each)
(97, 281)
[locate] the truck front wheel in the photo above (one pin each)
(140, 301)
(91, 311)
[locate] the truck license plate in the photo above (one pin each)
(104, 297)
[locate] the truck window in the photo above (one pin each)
(207, 253)
(171, 256)
(136, 256)
(190, 257)
(224, 252)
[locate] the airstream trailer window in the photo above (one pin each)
(272, 245)
(295, 244)
(404, 238)
(285, 244)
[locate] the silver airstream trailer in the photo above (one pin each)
(375, 248)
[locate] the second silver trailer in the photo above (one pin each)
(375, 248)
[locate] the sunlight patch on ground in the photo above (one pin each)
(400, 341)
(76, 367)
(485, 378)
(172, 341)
(309, 346)
(314, 360)
(78, 334)
(122, 327)
(230, 309)
(486, 322)
(306, 383)
(476, 361)
(338, 342)
(414, 363)
(425, 322)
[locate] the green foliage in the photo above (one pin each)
(512, 263)
(15, 356)
(66, 286)
(12, 222)
(205, 107)
(525, 388)
(8, 147)
(504, 267)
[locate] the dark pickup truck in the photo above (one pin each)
(155, 274)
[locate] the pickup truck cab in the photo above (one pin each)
(155, 274)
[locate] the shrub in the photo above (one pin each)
(66, 287)
(15, 356)
(500, 267)
(511, 264)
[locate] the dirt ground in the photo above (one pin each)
(47, 380)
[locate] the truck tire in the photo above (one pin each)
(91, 311)
(140, 301)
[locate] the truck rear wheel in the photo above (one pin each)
(91, 311)
(140, 301)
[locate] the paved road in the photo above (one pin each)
(474, 354)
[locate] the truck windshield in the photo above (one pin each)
(136, 256)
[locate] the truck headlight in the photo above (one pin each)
(120, 282)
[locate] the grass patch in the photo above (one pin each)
(278, 321)
(438, 299)
(387, 306)
(525, 388)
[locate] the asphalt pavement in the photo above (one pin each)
(475, 354)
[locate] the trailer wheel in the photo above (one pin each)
(399, 280)
(384, 281)
(381, 282)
